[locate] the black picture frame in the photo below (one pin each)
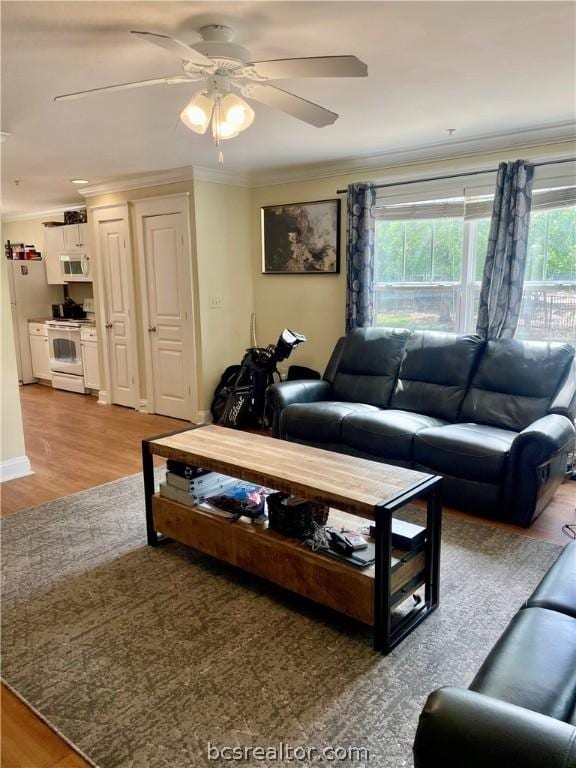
(301, 238)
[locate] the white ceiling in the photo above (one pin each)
(482, 67)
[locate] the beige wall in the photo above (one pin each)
(223, 245)
(12, 435)
(315, 304)
(27, 231)
(311, 304)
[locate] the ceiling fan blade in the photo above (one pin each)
(180, 49)
(317, 66)
(176, 79)
(293, 105)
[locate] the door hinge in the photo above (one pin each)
(133, 380)
(189, 390)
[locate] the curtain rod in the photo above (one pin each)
(458, 175)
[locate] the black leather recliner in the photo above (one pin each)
(520, 709)
(495, 418)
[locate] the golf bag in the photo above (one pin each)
(240, 396)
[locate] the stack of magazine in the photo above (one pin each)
(214, 492)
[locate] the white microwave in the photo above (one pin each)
(75, 267)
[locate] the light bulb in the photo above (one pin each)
(196, 115)
(224, 130)
(236, 112)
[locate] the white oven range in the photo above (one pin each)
(66, 355)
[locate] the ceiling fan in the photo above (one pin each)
(222, 65)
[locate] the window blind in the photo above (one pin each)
(471, 208)
(544, 200)
(430, 209)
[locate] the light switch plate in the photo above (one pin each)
(215, 301)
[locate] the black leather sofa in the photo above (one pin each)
(520, 710)
(495, 418)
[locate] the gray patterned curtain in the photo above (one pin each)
(360, 283)
(503, 277)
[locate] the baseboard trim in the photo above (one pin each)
(143, 406)
(203, 417)
(10, 469)
(103, 398)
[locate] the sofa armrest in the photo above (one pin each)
(460, 728)
(564, 402)
(537, 466)
(545, 437)
(279, 396)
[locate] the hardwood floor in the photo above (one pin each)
(27, 742)
(55, 424)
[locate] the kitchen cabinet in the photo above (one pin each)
(90, 364)
(39, 351)
(71, 239)
(53, 247)
(75, 236)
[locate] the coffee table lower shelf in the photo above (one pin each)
(289, 563)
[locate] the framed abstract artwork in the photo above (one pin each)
(301, 238)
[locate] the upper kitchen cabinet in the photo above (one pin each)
(64, 246)
(53, 247)
(75, 236)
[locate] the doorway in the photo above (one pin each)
(117, 305)
(166, 290)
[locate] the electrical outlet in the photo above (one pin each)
(215, 301)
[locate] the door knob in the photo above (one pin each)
(151, 328)
(108, 325)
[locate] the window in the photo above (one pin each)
(419, 265)
(430, 259)
(548, 308)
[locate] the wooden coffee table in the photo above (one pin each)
(355, 489)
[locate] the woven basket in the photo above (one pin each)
(295, 517)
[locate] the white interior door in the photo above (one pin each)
(119, 324)
(168, 291)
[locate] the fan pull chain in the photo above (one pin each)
(216, 130)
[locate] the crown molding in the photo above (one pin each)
(222, 176)
(9, 217)
(446, 150)
(173, 176)
(157, 179)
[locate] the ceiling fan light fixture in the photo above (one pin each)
(236, 112)
(197, 113)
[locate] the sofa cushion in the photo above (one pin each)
(472, 451)
(319, 422)
(388, 434)
(533, 664)
(557, 590)
(516, 382)
(435, 373)
(369, 364)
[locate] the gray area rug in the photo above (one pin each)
(141, 657)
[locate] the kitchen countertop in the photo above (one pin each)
(46, 319)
